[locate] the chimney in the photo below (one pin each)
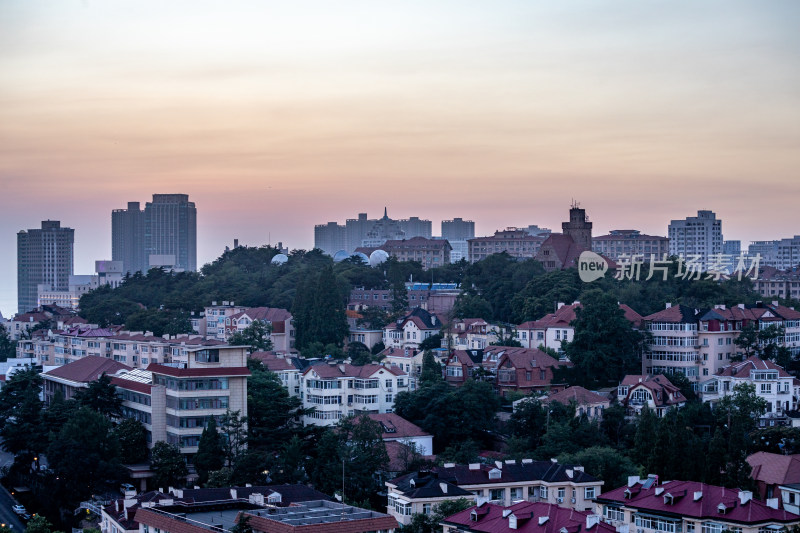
(698, 495)
(559, 306)
(745, 496)
(499, 464)
(554, 460)
(233, 494)
(570, 473)
(775, 303)
(443, 486)
(543, 520)
(772, 503)
(507, 512)
(633, 480)
(449, 465)
(474, 466)
(740, 306)
(668, 305)
(592, 520)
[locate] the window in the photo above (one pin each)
(561, 492)
(614, 513)
(516, 493)
(497, 494)
(588, 493)
(426, 508)
(543, 493)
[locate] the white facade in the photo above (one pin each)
(699, 236)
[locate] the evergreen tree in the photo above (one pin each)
(132, 438)
(100, 396)
(328, 323)
(168, 465)
(210, 452)
(431, 371)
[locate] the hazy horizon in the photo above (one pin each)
(277, 116)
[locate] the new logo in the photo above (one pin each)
(591, 266)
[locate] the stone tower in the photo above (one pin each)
(578, 227)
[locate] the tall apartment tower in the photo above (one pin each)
(330, 237)
(458, 229)
(127, 238)
(578, 227)
(699, 236)
(44, 256)
(170, 228)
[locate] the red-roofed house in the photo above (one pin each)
(411, 330)
(471, 334)
(656, 392)
(282, 334)
(398, 429)
(689, 506)
(77, 375)
(771, 470)
(525, 517)
(523, 370)
(335, 391)
(586, 402)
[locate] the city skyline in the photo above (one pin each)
(273, 120)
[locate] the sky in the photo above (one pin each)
(275, 116)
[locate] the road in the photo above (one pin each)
(7, 516)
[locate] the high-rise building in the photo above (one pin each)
(44, 257)
(697, 238)
(458, 229)
(578, 227)
(732, 247)
(415, 227)
(127, 238)
(620, 243)
(330, 237)
(170, 228)
(369, 232)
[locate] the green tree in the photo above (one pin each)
(473, 306)
(274, 415)
(431, 343)
(603, 462)
(328, 323)
(8, 347)
(358, 353)
(233, 427)
(431, 371)
(100, 396)
(132, 438)
(364, 454)
(256, 336)
(39, 524)
(210, 451)
(747, 340)
(605, 347)
(168, 465)
(528, 422)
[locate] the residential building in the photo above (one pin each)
(398, 429)
(783, 254)
(790, 497)
(771, 471)
(458, 232)
(771, 382)
(699, 342)
(68, 379)
(559, 252)
(176, 400)
(535, 230)
(766, 250)
(360, 331)
(170, 228)
(416, 227)
(586, 402)
(621, 243)
(526, 517)
(775, 283)
(44, 257)
(320, 516)
(409, 360)
(517, 243)
(555, 329)
(127, 238)
(280, 322)
(55, 316)
(697, 238)
(420, 493)
(732, 247)
(411, 330)
(501, 483)
(654, 392)
(106, 273)
(523, 370)
(288, 368)
(215, 317)
(433, 297)
(330, 237)
(463, 365)
(335, 391)
(431, 253)
(470, 334)
(689, 506)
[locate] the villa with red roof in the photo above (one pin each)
(411, 330)
(554, 328)
(524, 517)
(471, 334)
(280, 320)
(689, 507)
(656, 392)
(586, 402)
(771, 470)
(523, 370)
(335, 391)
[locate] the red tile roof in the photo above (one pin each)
(347, 370)
(137, 386)
(87, 369)
(663, 391)
(566, 314)
(529, 516)
(775, 469)
(198, 372)
(272, 362)
(743, 368)
(576, 394)
(402, 427)
(706, 507)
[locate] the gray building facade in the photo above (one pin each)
(44, 256)
(170, 228)
(127, 238)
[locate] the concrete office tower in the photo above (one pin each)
(44, 257)
(330, 237)
(578, 227)
(458, 229)
(170, 228)
(699, 236)
(415, 227)
(127, 238)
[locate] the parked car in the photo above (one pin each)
(19, 509)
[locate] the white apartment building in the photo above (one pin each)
(411, 330)
(783, 254)
(215, 316)
(471, 334)
(772, 383)
(106, 273)
(700, 342)
(699, 236)
(336, 391)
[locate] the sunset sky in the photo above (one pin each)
(275, 116)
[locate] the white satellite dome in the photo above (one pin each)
(279, 259)
(340, 256)
(377, 257)
(361, 256)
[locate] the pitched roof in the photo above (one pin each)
(564, 316)
(674, 314)
(276, 363)
(427, 485)
(512, 472)
(663, 391)
(466, 357)
(775, 469)
(352, 371)
(743, 368)
(87, 369)
(565, 248)
(530, 517)
(265, 314)
(706, 507)
(523, 357)
(576, 394)
(397, 427)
